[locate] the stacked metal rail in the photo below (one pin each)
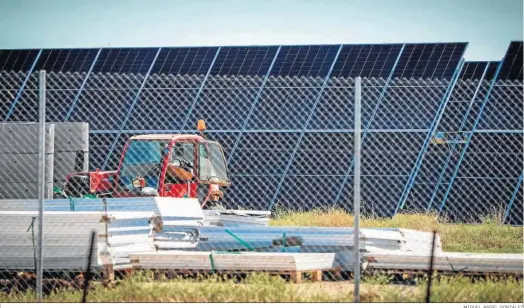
(66, 240)
(243, 262)
(123, 226)
(453, 262)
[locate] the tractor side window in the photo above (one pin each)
(180, 169)
(144, 152)
(212, 163)
(142, 158)
(183, 151)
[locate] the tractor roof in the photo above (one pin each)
(165, 137)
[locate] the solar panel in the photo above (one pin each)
(304, 60)
(66, 60)
(366, 60)
(190, 61)
(473, 70)
(268, 94)
(430, 60)
(243, 61)
(492, 68)
(125, 60)
(512, 66)
(17, 60)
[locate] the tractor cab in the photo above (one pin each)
(179, 166)
(170, 166)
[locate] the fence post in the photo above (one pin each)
(41, 181)
(431, 265)
(88, 269)
(356, 185)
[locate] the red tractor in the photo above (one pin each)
(179, 166)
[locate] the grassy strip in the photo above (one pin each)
(489, 236)
(264, 288)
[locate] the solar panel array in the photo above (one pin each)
(284, 115)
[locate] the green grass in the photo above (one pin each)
(488, 236)
(263, 288)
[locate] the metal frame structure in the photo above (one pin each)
(432, 130)
(470, 135)
(462, 124)
(73, 105)
(253, 106)
(366, 129)
(19, 93)
(312, 76)
(306, 124)
(195, 100)
(124, 122)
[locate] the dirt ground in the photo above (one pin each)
(337, 288)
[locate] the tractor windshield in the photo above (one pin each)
(143, 158)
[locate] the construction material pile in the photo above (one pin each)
(173, 233)
(66, 241)
(122, 227)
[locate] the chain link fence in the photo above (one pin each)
(441, 138)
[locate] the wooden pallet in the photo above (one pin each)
(409, 274)
(294, 276)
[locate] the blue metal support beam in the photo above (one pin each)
(197, 96)
(432, 130)
(368, 124)
(499, 131)
(327, 131)
(134, 102)
(289, 131)
(470, 135)
(513, 197)
(306, 124)
(253, 106)
(68, 115)
(19, 93)
(454, 145)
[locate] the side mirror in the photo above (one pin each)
(139, 182)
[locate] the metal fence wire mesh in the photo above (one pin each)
(440, 135)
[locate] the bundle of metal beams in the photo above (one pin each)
(216, 217)
(307, 239)
(448, 262)
(122, 228)
(302, 240)
(169, 233)
(242, 262)
(232, 218)
(66, 240)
